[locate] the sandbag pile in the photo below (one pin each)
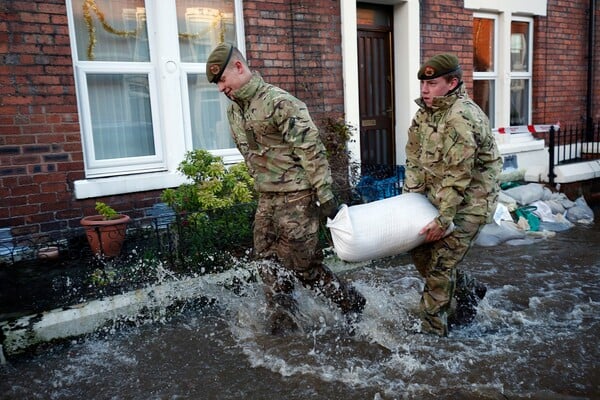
(532, 210)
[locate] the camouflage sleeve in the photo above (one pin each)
(459, 160)
(414, 178)
(301, 133)
(238, 133)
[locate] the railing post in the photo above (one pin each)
(551, 145)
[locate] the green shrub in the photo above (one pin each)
(213, 185)
(215, 209)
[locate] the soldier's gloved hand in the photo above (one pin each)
(329, 209)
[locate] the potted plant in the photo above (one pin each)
(105, 231)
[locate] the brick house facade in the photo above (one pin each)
(296, 45)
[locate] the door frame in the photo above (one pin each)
(406, 45)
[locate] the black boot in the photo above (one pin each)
(353, 312)
(467, 298)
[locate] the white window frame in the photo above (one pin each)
(494, 75)
(117, 166)
(503, 74)
(528, 74)
(167, 78)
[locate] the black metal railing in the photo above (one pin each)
(572, 144)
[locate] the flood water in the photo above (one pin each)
(535, 337)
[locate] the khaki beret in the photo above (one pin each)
(217, 61)
(437, 66)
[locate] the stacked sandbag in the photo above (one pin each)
(536, 210)
(381, 228)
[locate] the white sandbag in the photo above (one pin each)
(555, 206)
(526, 194)
(493, 234)
(543, 210)
(581, 213)
(508, 201)
(381, 228)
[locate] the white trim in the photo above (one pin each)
(528, 7)
(350, 75)
(87, 188)
(407, 56)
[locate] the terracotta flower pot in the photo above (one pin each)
(105, 237)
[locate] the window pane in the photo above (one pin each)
(483, 45)
(210, 127)
(121, 115)
(111, 30)
(202, 27)
(519, 101)
(483, 95)
(519, 38)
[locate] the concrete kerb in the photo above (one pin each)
(20, 334)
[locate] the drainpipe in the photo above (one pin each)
(590, 75)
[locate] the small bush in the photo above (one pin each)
(215, 210)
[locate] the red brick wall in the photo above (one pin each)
(297, 46)
(447, 27)
(560, 63)
(40, 142)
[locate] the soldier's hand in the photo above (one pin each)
(432, 231)
(329, 209)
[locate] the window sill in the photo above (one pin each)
(97, 187)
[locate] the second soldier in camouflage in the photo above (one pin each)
(452, 158)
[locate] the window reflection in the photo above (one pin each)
(519, 55)
(483, 95)
(111, 30)
(200, 29)
(483, 45)
(519, 101)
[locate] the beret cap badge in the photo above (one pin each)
(215, 69)
(429, 71)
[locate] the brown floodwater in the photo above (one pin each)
(535, 337)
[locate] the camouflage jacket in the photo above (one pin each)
(279, 141)
(452, 157)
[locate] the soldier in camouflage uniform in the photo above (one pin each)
(452, 158)
(284, 154)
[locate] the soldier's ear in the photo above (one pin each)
(454, 83)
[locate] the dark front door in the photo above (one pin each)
(375, 85)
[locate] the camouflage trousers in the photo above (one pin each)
(286, 229)
(437, 263)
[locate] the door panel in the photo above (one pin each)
(375, 90)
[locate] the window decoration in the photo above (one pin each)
(90, 6)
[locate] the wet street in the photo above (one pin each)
(535, 337)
